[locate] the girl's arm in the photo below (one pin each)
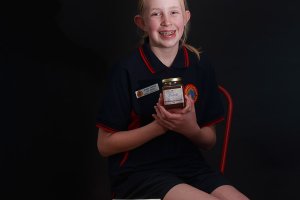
(184, 121)
(113, 143)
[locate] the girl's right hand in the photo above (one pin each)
(183, 121)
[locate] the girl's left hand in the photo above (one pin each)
(183, 121)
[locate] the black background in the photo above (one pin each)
(54, 55)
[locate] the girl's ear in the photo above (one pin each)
(139, 21)
(187, 16)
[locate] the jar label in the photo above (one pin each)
(173, 96)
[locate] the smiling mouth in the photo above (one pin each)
(166, 33)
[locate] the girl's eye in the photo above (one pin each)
(174, 12)
(155, 14)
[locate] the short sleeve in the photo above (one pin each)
(114, 110)
(212, 110)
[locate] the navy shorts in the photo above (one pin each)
(155, 185)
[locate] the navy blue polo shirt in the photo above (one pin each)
(122, 110)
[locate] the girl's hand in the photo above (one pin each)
(183, 121)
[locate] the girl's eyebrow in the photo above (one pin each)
(154, 9)
(172, 7)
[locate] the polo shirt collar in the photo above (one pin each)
(155, 65)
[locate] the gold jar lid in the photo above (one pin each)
(177, 79)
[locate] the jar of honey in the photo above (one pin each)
(172, 91)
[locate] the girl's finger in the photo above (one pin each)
(158, 113)
(163, 122)
(161, 100)
(167, 115)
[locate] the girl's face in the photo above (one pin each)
(163, 21)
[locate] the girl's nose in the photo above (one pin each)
(165, 20)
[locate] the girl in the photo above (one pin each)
(154, 152)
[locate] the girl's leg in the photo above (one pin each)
(228, 192)
(187, 192)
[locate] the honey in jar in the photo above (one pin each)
(172, 91)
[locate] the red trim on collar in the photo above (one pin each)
(147, 63)
(186, 57)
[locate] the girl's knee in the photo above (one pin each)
(187, 192)
(228, 192)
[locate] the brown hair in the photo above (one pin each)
(140, 10)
